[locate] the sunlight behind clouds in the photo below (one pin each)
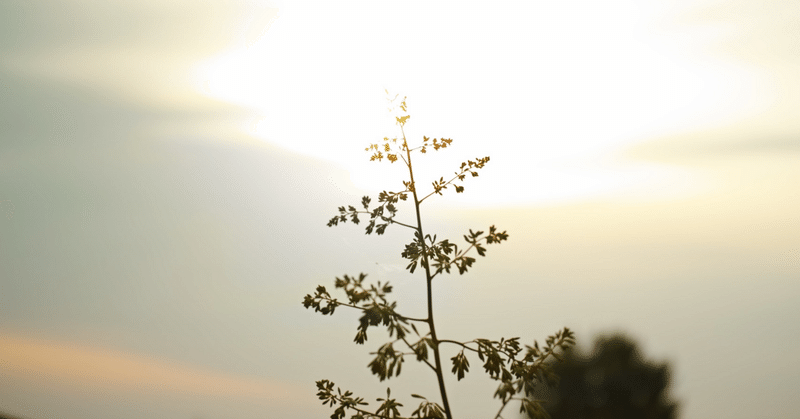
(558, 90)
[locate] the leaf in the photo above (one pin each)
(481, 250)
(421, 350)
(460, 365)
(361, 337)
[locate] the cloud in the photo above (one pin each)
(69, 364)
(760, 32)
(763, 145)
(699, 147)
(142, 51)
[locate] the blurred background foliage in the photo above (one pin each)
(613, 381)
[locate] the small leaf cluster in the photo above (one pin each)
(384, 212)
(401, 120)
(503, 361)
(428, 410)
(437, 143)
(387, 362)
(387, 148)
(377, 154)
(320, 297)
(468, 166)
(522, 375)
(388, 408)
(328, 397)
(460, 365)
(444, 254)
(420, 348)
(377, 310)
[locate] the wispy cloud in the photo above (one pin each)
(70, 364)
(143, 52)
(691, 148)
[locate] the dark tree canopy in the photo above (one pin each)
(614, 382)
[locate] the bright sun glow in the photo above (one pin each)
(559, 103)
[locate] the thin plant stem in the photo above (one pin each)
(429, 283)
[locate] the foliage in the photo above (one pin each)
(518, 369)
(613, 382)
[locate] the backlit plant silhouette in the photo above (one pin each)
(518, 369)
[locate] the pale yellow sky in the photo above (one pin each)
(561, 98)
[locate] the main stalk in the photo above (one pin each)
(429, 282)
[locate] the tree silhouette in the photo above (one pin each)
(612, 382)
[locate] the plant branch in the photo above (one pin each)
(438, 186)
(398, 222)
(388, 220)
(462, 344)
(414, 353)
(413, 319)
(550, 352)
(371, 414)
(447, 183)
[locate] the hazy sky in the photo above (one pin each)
(167, 169)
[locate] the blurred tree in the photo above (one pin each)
(614, 382)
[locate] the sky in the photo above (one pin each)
(167, 169)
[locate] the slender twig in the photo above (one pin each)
(457, 176)
(538, 362)
(429, 195)
(404, 160)
(413, 319)
(414, 353)
(462, 344)
(398, 222)
(388, 220)
(458, 256)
